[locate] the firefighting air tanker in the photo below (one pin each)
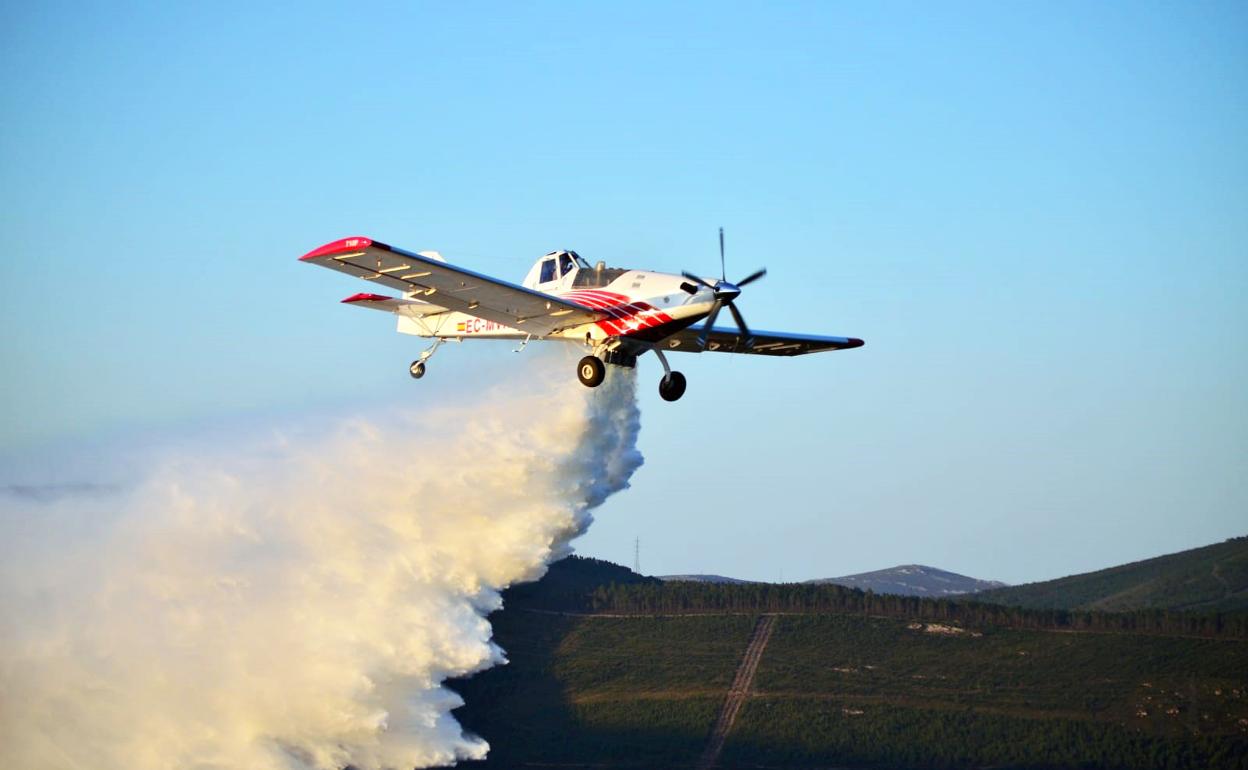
(617, 314)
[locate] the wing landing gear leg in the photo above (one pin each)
(417, 368)
(672, 386)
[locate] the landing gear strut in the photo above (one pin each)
(591, 371)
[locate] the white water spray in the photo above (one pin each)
(297, 605)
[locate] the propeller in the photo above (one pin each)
(725, 294)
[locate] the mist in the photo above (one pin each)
(298, 600)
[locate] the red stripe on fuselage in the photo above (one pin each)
(626, 317)
(606, 324)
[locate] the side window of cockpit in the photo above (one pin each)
(565, 264)
(548, 271)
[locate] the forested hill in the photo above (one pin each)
(1212, 578)
(610, 669)
(569, 580)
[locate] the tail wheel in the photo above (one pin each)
(591, 371)
(417, 369)
(672, 386)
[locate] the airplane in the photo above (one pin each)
(617, 313)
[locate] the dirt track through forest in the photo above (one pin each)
(741, 684)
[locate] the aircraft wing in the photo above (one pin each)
(729, 340)
(454, 288)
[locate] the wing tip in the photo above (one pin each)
(854, 342)
(344, 244)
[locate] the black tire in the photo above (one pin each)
(672, 386)
(417, 370)
(591, 371)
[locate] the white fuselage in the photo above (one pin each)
(642, 307)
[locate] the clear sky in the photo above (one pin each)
(1035, 214)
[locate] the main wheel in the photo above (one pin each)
(591, 371)
(417, 369)
(672, 386)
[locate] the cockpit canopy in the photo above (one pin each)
(557, 264)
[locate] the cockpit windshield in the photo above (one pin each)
(558, 264)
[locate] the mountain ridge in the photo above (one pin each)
(1208, 578)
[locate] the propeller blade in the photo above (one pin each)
(747, 338)
(696, 279)
(752, 277)
(723, 273)
(689, 288)
(710, 321)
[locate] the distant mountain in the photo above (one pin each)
(906, 580)
(913, 580)
(1212, 578)
(701, 579)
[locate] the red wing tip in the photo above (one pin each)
(367, 298)
(346, 244)
(854, 342)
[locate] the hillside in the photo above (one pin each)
(913, 580)
(1212, 578)
(845, 689)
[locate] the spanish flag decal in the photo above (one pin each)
(459, 327)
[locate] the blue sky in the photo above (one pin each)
(1035, 214)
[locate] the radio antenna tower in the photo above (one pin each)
(637, 555)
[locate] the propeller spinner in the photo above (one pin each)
(725, 294)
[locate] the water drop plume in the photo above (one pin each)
(297, 603)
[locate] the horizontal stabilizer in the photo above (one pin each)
(391, 304)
